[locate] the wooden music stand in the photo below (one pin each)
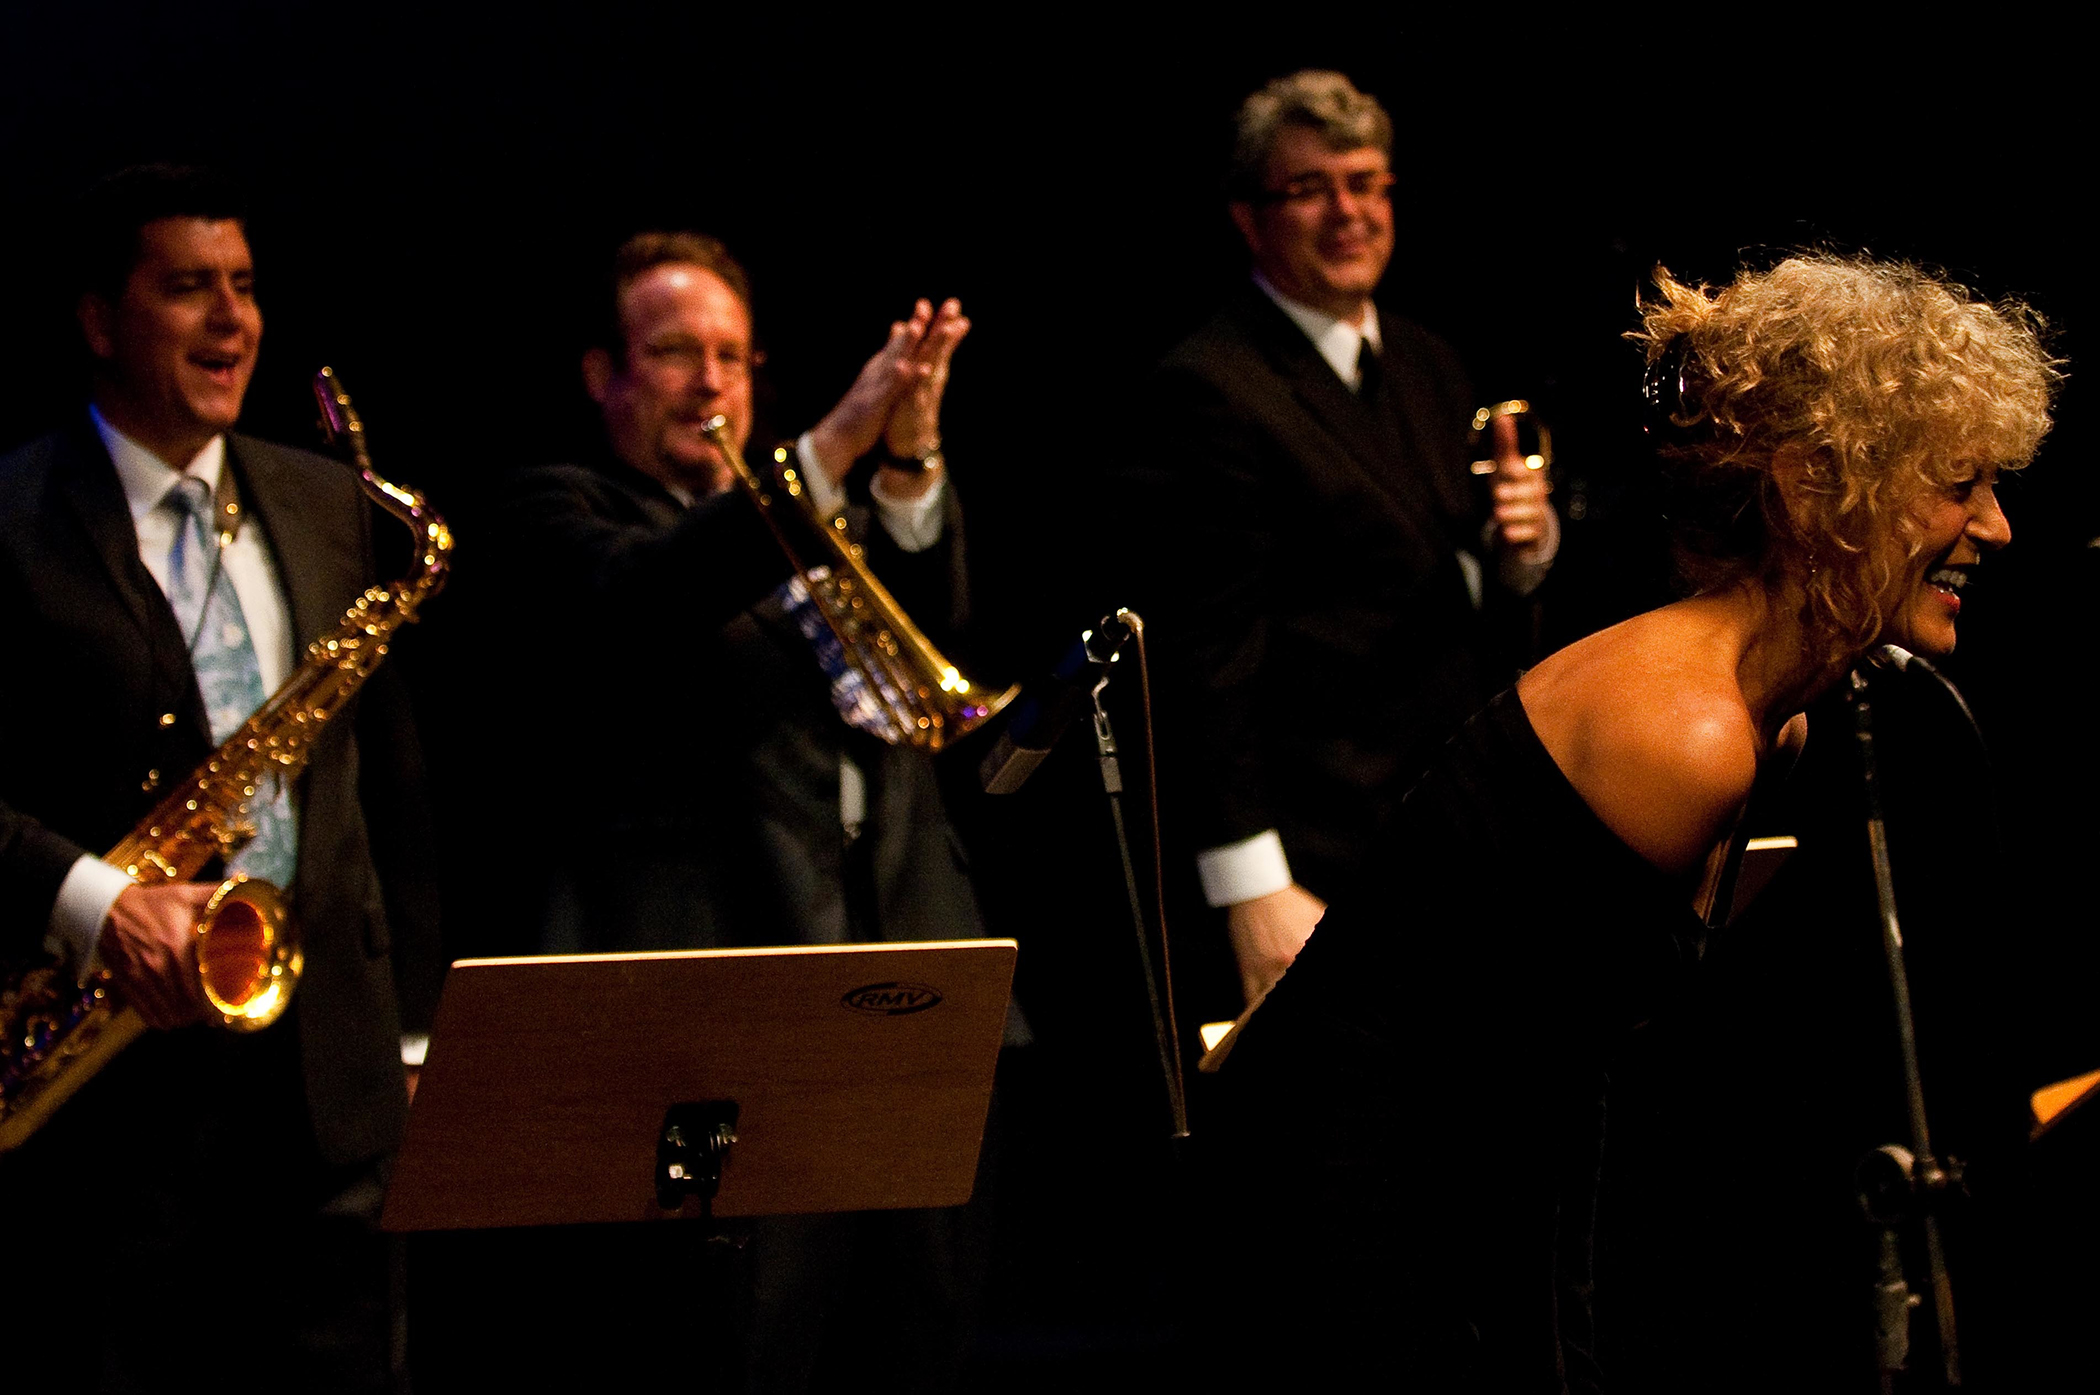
(578, 1088)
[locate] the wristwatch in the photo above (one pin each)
(928, 459)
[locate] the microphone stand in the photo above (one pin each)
(1165, 1034)
(1898, 1186)
(1038, 720)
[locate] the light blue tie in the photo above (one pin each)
(227, 674)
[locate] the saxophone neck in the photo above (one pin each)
(340, 423)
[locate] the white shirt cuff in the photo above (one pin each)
(1244, 870)
(91, 887)
(1521, 572)
(915, 524)
(825, 496)
(1469, 568)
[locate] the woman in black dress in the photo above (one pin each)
(1420, 1099)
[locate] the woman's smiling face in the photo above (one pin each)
(1958, 523)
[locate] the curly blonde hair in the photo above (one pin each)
(1867, 384)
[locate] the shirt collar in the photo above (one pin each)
(144, 475)
(1338, 341)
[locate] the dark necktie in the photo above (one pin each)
(1370, 377)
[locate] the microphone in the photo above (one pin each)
(1046, 709)
(1895, 656)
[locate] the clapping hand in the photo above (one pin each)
(895, 400)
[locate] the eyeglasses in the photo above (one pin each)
(1309, 189)
(689, 357)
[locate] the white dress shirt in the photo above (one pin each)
(1338, 341)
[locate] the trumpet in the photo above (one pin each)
(59, 1033)
(925, 700)
(1534, 439)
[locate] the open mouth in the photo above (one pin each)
(220, 367)
(1949, 581)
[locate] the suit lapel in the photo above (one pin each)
(309, 563)
(88, 483)
(1369, 447)
(661, 509)
(656, 505)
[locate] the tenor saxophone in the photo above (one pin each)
(59, 1032)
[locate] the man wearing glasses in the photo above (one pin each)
(1317, 446)
(714, 797)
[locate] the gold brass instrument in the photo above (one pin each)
(1534, 438)
(928, 701)
(58, 1034)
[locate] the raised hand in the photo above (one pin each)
(915, 425)
(852, 428)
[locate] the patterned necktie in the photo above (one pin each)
(228, 676)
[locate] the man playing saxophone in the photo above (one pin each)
(165, 572)
(721, 799)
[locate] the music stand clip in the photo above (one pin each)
(695, 1138)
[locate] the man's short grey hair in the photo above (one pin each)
(1321, 101)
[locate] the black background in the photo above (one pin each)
(437, 190)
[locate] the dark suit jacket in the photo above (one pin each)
(1311, 615)
(96, 660)
(691, 735)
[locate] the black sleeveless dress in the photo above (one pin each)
(1416, 1113)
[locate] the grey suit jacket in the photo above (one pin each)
(101, 697)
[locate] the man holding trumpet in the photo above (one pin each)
(724, 796)
(1317, 446)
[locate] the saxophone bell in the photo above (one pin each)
(248, 953)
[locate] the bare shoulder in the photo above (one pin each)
(1648, 724)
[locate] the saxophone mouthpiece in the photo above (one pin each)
(328, 393)
(714, 424)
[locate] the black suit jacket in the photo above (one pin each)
(690, 737)
(101, 697)
(1312, 618)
